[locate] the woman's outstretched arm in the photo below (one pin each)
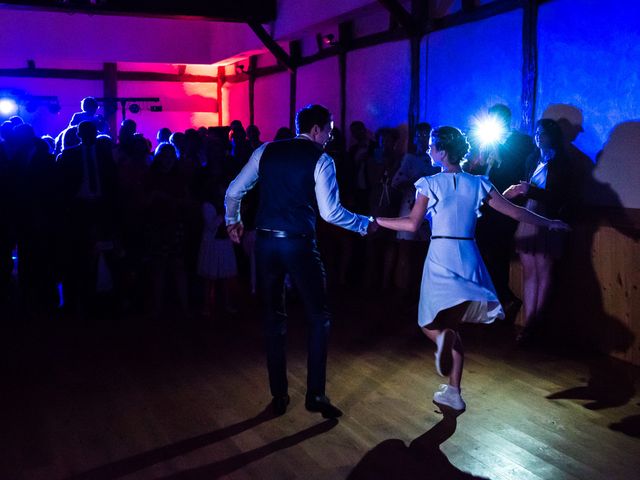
(410, 223)
(521, 214)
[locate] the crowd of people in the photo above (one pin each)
(92, 223)
(103, 224)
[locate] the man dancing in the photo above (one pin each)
(296, 178)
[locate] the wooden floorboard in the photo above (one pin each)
(126, 398)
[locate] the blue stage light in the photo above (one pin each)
(8, 107)
(488, 130)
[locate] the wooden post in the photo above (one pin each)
(221, 80)
(253, 64)
(110, 90)
(345, 34)
(414, 89)
(529, 64)
(293, 79)
(276, 50)
(295, 54)
(419, 13)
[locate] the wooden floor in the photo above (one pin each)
(135, 400)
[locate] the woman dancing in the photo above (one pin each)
(456, 286)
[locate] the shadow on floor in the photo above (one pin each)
(422, 459)
(152, 457)
(228, 465)
(610, 384)
(629, 426)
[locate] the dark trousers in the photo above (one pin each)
(88, 223)
(494, 234)
(300, 258)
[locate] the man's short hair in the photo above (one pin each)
(502, 111)
(87, 130)
(423, 127)
(312, 115)
(89, 104)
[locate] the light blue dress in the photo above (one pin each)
(453, 270)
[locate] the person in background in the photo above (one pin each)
(504, 164)
(384, 201)
(283, 133)
(361, 157)
(412, 246)
(253, 136)
(547, 192)
(88, 188)
(163, 135)
(216, 259)
(89, 106)
(166, 195)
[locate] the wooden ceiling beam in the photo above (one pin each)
(468, 15)
(402, 17)
(224, 11)
(276, 50)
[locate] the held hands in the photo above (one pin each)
(517, 190)
(235, 231)
(373, 226)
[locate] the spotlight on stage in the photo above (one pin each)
(8, 107)
(134, 108)
(488, 130)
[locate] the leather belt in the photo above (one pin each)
(266, 233)
(451, 238)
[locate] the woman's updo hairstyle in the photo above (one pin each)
(452, 141)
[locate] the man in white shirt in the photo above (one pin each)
(296, 180)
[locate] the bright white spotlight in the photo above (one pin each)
(8, 107)
(489, 130)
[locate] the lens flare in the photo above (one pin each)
(488, 131)
(8, 107)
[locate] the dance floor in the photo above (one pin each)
(188, 399)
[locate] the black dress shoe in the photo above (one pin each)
(322, 404)
(279, 405)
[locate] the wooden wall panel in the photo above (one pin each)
(596, 298)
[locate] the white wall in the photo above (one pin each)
(272, 104)
(378, 82)
(235, 101)
(320, 83)
(591, 61)
(294, 15)
(42, 35)
(472, 67)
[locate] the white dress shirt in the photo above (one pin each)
(326, 189)
(539, 176)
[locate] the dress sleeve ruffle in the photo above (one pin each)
(424, 186)
(483, 191)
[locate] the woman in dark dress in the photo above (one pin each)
(546, 193)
